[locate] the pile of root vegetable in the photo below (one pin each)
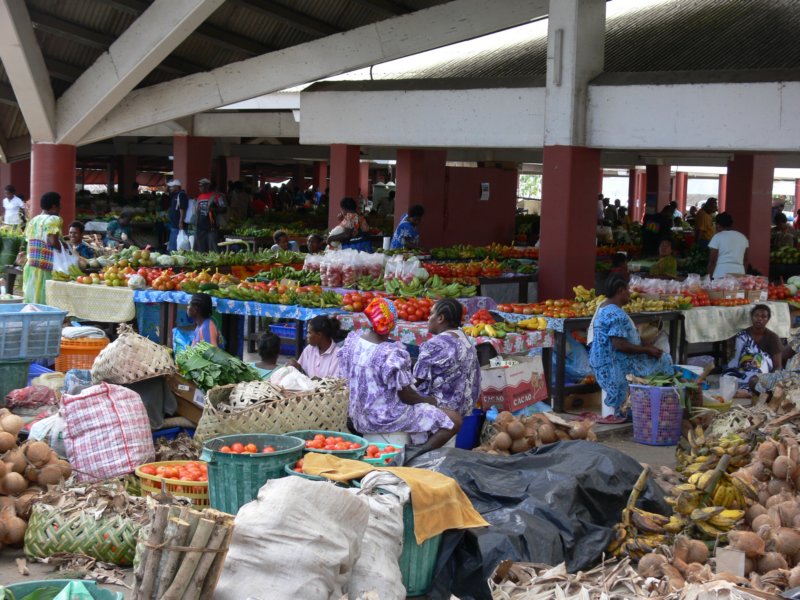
(513, 435)
(26, 471)
(737, 486)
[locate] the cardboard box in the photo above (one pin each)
(578, 403)
(513, 388)
(190, 398)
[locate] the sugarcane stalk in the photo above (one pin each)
(205, 527)
(150, 555)
(214, 573)
(170, 560)
(201, 572)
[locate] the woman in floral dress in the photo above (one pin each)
(43, 234)
(616, 349)
(447, 367)
(382, 394)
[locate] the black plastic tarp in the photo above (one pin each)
(558, 503)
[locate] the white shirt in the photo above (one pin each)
(731, 246)
(12, 208)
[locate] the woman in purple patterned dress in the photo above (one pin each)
(447, 367)
(382, 394)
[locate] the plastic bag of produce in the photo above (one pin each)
(51, 430)
(377, 569)
(108, 432)
(77, 380)
(297, 541)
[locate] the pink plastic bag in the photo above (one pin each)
(107, 433)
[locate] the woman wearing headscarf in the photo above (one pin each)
(383, 399)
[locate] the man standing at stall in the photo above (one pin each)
(178, 205)
(704, 222)
(206, 218)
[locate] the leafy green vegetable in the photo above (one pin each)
(209, 366)
(44, 593)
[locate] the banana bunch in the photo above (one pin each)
(648, 523)
(583, 295)
(61, 276)
(591, 305)
(496, 330)
(533, 324)
(729, 492)
(640, 305)
(635, 545)
(366, 283)
(715, 521)
(704, 453)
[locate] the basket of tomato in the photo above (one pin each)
(343, 445)
(380, 454)
(187, 478)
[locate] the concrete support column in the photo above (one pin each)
(641, 194)
(193, 157)
(567, 246)
(421, 179)
(344, 177)
(17, 174)
(749, 195)
(722, 193)
(600, 177)
(233, 168)
(363, 180)
(680, 189)
(126, 175)
(658, 183)
(319, 175)
(110, 176)
(632, 194)
(53, 170)
(796, 195)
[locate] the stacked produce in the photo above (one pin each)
(483, 324)
(787, 255)
(519, 434)
(459, 270)
(435, 287)
(209, 366)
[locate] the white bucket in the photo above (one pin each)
(387, 242)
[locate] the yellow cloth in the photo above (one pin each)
(92, 302)
(704, 225)
(437, 500)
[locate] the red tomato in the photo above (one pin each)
(226, 449)
(268, 450)
(251, 448)
(148, 469)
(237, 447)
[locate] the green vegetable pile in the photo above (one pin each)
(279, 273)
(209, 366)
(197, 260)
(697, 260)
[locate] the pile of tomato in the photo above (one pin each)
(323, 442)
(519, 309)
(456, 270)
(356, 301)
(239, 448)
(698, 298)
(482, 317)
(413, 309)
(375, 452)
(298, 466)
(730, 302)
(778, 292)
(191, 471)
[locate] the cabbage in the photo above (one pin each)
(165, 261)
(795, 281)
(137, 282)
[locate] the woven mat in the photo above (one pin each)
(717, 323)
(92, 302)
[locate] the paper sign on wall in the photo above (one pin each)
(485, 191)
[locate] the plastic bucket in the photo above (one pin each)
(469, 435)
(234, 479)
(27, 588)
(657, 415)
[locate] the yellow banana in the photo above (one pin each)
(727, 519)
(675, 524)
(704, 514)
(708, 529)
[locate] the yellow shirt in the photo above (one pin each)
(704, 225)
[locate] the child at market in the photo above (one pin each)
(199, 310)
(269, 347)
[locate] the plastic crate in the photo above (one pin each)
(30, 335)
(286, 331)
(418, 561)
(308, 434)
(13, 376)
(152, 485)
(79, 353)
(148, 320)
(35, 370)
(234, 479)
(657, 415)
(172, 432)
(27, 588)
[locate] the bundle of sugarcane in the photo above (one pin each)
(180, 555)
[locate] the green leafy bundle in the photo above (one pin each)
(209, 366)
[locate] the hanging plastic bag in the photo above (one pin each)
(63, 259)
(183, 242)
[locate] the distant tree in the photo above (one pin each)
(530, 187)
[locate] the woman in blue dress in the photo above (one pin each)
(616, 349)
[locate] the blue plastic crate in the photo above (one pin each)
(30, 335)
(285, 331)
(148, 320)
(172, 432)
(36, 370)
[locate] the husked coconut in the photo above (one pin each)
(698, 552)
(748, 542)
(650, 565)
(771, 561)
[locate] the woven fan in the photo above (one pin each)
(131, 358)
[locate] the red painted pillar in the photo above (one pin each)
(126, 175)
(17, 174)
(796, 195)
(658, 183)
(300, 176)
(680, 190)
(722, 193)
(422, 179)
(193, 157)
(749, 191)
(567, 244)
(363, 180)
(233, 168)
(344, 177)
(632, 194)
(641, 194)
(600, 176)
(319, 176)
(53, 170)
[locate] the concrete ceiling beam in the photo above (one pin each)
(132, 56)
(26, 70)
(416, 32)
(385, 8)
(271, 124)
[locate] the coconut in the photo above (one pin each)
(7, 441)
(775, 500)
(516, 430)
(763, 494)
(66, 468)
(4, 468)
(748, 542)
(782, 467)
(680, 549)
(50, 475)
(787, 511)
(502, 441)
(31, 473)
(776, 486)
(650, 565)
(759, 471)
(12, 424)
(753, 512)
(562, 435)
(38, 453)
(14, 483)
(674, 578)
(697, 573)
(23, 504)
(762, 520)
(15, 530)
(16, 459)
(787, 541)
(547, 433)
(698, 552)
(771, 561)
(767, 452)
(794, 577)
(520, 445)
(503, 419)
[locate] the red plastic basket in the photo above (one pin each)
(79, 353)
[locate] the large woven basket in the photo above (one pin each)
(109, 539)
(322, 409)
(131, 358)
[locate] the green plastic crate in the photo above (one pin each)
(308, 434)
(13, 376)
(24, 589)
(418, 561)
(234, 479)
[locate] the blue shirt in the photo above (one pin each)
(405, 235)
(84, 251)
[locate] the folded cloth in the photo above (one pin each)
(83, 331)
(438, 502)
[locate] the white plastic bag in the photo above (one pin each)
(298, 540)
(183, 242)
(289, 378)
(51, 430)
(63, 259)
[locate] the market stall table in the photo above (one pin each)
(98, 303)
(521, 279)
